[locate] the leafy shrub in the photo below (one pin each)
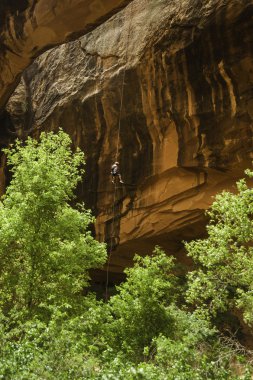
(46, 249)
(50, 330)
(224, 277)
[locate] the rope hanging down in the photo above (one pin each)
(117, 150)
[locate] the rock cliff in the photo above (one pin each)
(185, 130)
(29, 27)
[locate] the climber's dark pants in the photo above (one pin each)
(114, 175)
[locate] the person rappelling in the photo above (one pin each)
(115, 172)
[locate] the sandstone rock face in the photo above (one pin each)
(184, 121)
(28, 27)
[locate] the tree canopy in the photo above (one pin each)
(46, 248)
(52, 327)
(223, 280)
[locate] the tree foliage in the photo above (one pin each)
(50, 330)
(149, 289)
(150, 339)
(45, 246)
(224, 277)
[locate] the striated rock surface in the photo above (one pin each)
(186, 115)
(29, 27)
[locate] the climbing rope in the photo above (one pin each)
(117, 151)
(118, 141)
(121, 106)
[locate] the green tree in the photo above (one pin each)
(145, 331)
(224, 278)
(139, 334)
(139, 310)
(46, 249)
(146, 334)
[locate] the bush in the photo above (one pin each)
(46, 249)
(224, 277)
(50, 330)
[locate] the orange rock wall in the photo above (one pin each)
(186, 121)
(29, 27)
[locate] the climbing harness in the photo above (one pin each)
(117, 152)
